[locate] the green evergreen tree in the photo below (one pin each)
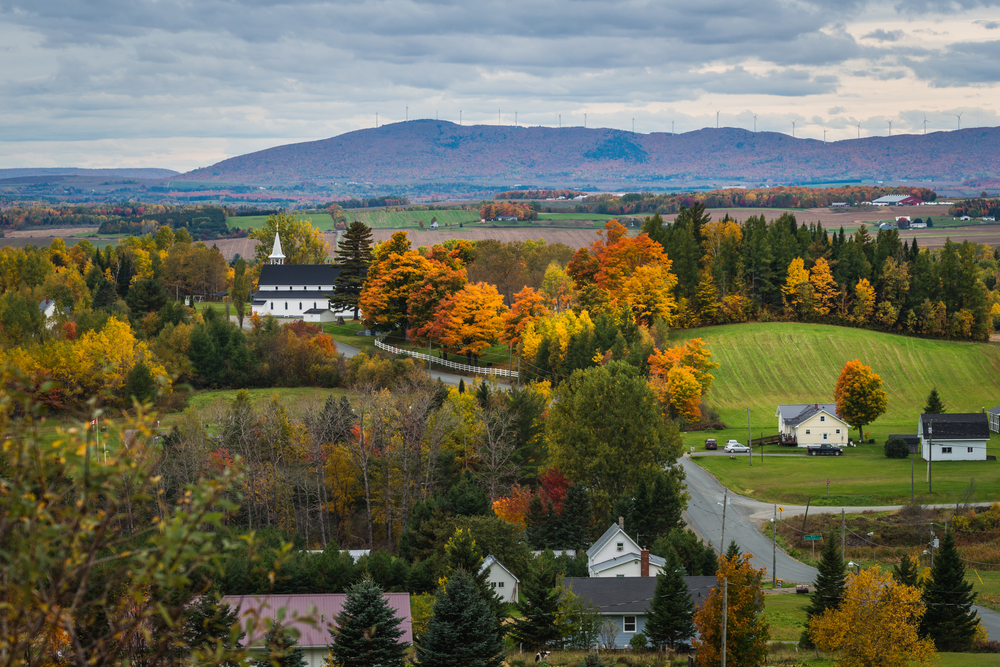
(208, 624)
(536, 627)
(146, 296)
(354, 256)
(368, 632)
(935, 406)
(139, 384)
(283, 650)
(828, 589)
(462, 555)
(733, 550)
(907, 572)
(669, 623)
(576, 518)
(462, 631)
(950, 621)
(538, 522)
(104, 294)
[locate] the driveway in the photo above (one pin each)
(744, 515)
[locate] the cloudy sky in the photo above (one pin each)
(185, 83)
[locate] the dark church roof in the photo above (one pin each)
(298, 274)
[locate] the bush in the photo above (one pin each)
(592, 659)
(896, 448)
(638, 642)
(986, 647)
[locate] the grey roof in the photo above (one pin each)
(957, 426)
(630, 595)
(891, 199)
(795, 414)
(491, 560)
(994, 411)
(907, 438)
(317, 311)
(625, 558)
(298, 274)
(604, 539)
(45, 304)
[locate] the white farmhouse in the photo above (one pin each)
(811, 424)
(503, 582)
(295, 290)
(615, 554)
(954, 437)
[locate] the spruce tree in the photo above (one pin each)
(733, 550)
(282, 649)
(669, 622)
(829, 585)
(950, 621)
(907, 571)
(935, 406)
(536, 628)
(462, 631)
(577, 518)
(354, 255)
(368, 632)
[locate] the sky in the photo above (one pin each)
(181, 84)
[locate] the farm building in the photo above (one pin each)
(615, 554)
(993, 415)
(811, 424)
(626, 601)
(503, 582)
(321, 609)
(295, 290)
(954, 437)
(897, 200)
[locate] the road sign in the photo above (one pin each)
(810, 538)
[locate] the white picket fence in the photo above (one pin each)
(482, 370)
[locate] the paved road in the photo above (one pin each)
(447, 378)
(744, 515)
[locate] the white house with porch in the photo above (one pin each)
(954, 437)
(811, 424)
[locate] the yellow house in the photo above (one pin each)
(812, 424)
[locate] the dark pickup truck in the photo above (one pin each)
(824, 450)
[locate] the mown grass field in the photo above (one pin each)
(321, 221)
(381, 219)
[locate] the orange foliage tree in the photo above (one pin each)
(529, 307)
(385, 296)
(747, 629)
(514, 507)
(680, 376)
(471, 320)
(859, 395)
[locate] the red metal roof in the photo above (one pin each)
(322, 609)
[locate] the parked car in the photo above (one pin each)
(824, 450)
(710, 443)
(734, 447)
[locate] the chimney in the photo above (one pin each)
(644, 563)
(621, 522)
(816, 405)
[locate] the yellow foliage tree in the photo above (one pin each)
(558, 329)
(680, 377)
(791, 292)
(472, 319)
(864, 300)
(529, 307)
(747, 629)
(875, 625)
(825, 288)
(300, 241)
(557, 286)
(649, 293)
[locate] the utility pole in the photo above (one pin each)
(749, 437)
(843, 534)
(774, 550)
(725, 615)
(911, 473)
(722, 540)
(930, 456)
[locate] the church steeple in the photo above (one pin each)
(276, 257)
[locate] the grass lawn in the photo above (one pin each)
(348, 333)
(786, 612)
(381, 219)
(321, 221)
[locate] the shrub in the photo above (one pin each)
(592, 659)
(638, 642)
(896, 448)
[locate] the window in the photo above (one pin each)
(822, 418)
(619, 575)
(300, 305)
(825, 437)
(286, 305)
(314, 304)
(629, 623)
(493, 584)
(500, 585)
(838, 431)
(970, 450)
(621, 547)
(807, 431)
(272, 305)
(946, 450)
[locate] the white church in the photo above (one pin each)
(298, 291)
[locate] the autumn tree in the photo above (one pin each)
(876, 624)
(385, 296)
(301, 243)
(747, 629)
(864, 301)
(680, 377)
(557, 287)
(859, 395)
(529, 306)
(824, 287)
(354, 256)
(794, 295)
(471, 320)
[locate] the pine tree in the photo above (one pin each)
(462, 631)
(368, 632)
(907, 571)
(950, 621)
(282, 649)
(577, 516)
(671, 610)
(733, 550)
(536, 628)
(354, 255)
(829, 585)
(538, 522)
(935, 406)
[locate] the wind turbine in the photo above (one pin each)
(717, 119)
(925, 124)
(859, 130)
(890, 127)
(959, 117)
(407, 116)
(671, 127)
(793, 128)
(755, 123)
(585, 120)
(824, 135)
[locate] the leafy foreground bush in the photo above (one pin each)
(896, 448)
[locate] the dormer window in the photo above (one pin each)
(621, 547)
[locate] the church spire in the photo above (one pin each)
(276, 257)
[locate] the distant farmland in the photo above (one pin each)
(321, 221)
(382, 219)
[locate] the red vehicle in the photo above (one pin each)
(711, 444)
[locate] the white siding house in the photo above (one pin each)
(954, 437)
(812, 424)
(502, 581)
(615, 554)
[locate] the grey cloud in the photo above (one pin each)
(942, 6)
(989, 25)
(959, 65)
(885, 36)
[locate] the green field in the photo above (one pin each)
(321, 221)
(380, 219)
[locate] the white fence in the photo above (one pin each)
(447, 364)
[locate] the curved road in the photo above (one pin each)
(744, 515)
(447, 378)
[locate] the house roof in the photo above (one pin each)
(626, 558)
(908, 438)
(795, 414)
(322, 608)
(44, 305)
(298, 274)
(630, 595)
(994, 411)
(956, 426)
(609, 535)
(491, 560)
